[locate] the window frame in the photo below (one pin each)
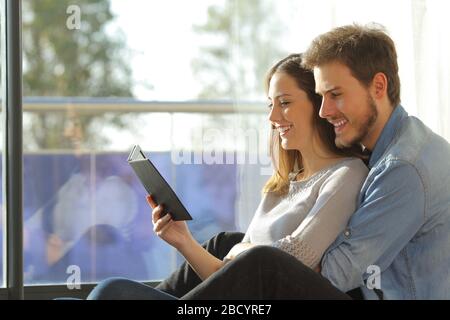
(49, 292)
(12, 108)
(11, 115)
(11, 60)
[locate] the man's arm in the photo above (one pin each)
(392, 211)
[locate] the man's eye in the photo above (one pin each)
(335, 94)
(284, 103)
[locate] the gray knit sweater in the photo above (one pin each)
(307, 220)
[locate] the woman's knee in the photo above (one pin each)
(267, 255)
(224, 240)
(237, 236)
(111, 287)
(261, 254)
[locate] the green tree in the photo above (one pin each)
(243, 46)
(59, 61)
(243, 42)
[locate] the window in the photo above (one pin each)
(100, 76)
(187, 85)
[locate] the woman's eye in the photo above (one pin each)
(284, 103)
(270, 106)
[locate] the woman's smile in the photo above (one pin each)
(284, 129)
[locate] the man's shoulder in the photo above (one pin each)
(417, 154)
(415, 144)
(409, 141)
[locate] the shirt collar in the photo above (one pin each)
(387, 134)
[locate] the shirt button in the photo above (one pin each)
(347, 233)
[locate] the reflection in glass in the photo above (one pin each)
(128, 75)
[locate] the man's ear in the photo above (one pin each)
(379, 85)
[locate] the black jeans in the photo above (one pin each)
(262, 272)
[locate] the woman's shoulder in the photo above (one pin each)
(351, 172)
(352, 167)
(354, 162)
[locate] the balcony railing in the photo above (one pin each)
(217, 196)
(125, 105)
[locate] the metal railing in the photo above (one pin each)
(98, 106)
(127, 105)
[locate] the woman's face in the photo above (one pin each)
(291, 112)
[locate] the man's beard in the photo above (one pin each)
(363, 128)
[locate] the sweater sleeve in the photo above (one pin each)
(336, 202)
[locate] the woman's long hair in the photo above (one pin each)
(287, 161)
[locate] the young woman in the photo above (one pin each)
(305, 205)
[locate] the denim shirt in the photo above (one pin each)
(402, 225)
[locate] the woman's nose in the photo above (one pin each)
(275, 113)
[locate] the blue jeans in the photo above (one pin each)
(262, 272)
(179, 283)
(125, 289)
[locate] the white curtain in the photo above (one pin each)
(421, 32)
(431, 66)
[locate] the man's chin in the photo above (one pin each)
(343, 143)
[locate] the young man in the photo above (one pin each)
(402, 225)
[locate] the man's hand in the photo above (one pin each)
(318, 269)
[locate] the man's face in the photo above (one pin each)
(346, 104)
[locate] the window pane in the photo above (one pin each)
(185, 80)
(97, 83)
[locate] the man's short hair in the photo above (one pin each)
(365, 50)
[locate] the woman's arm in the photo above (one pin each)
(177, 234)
(203, 263)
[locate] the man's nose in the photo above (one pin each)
(326, 108)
